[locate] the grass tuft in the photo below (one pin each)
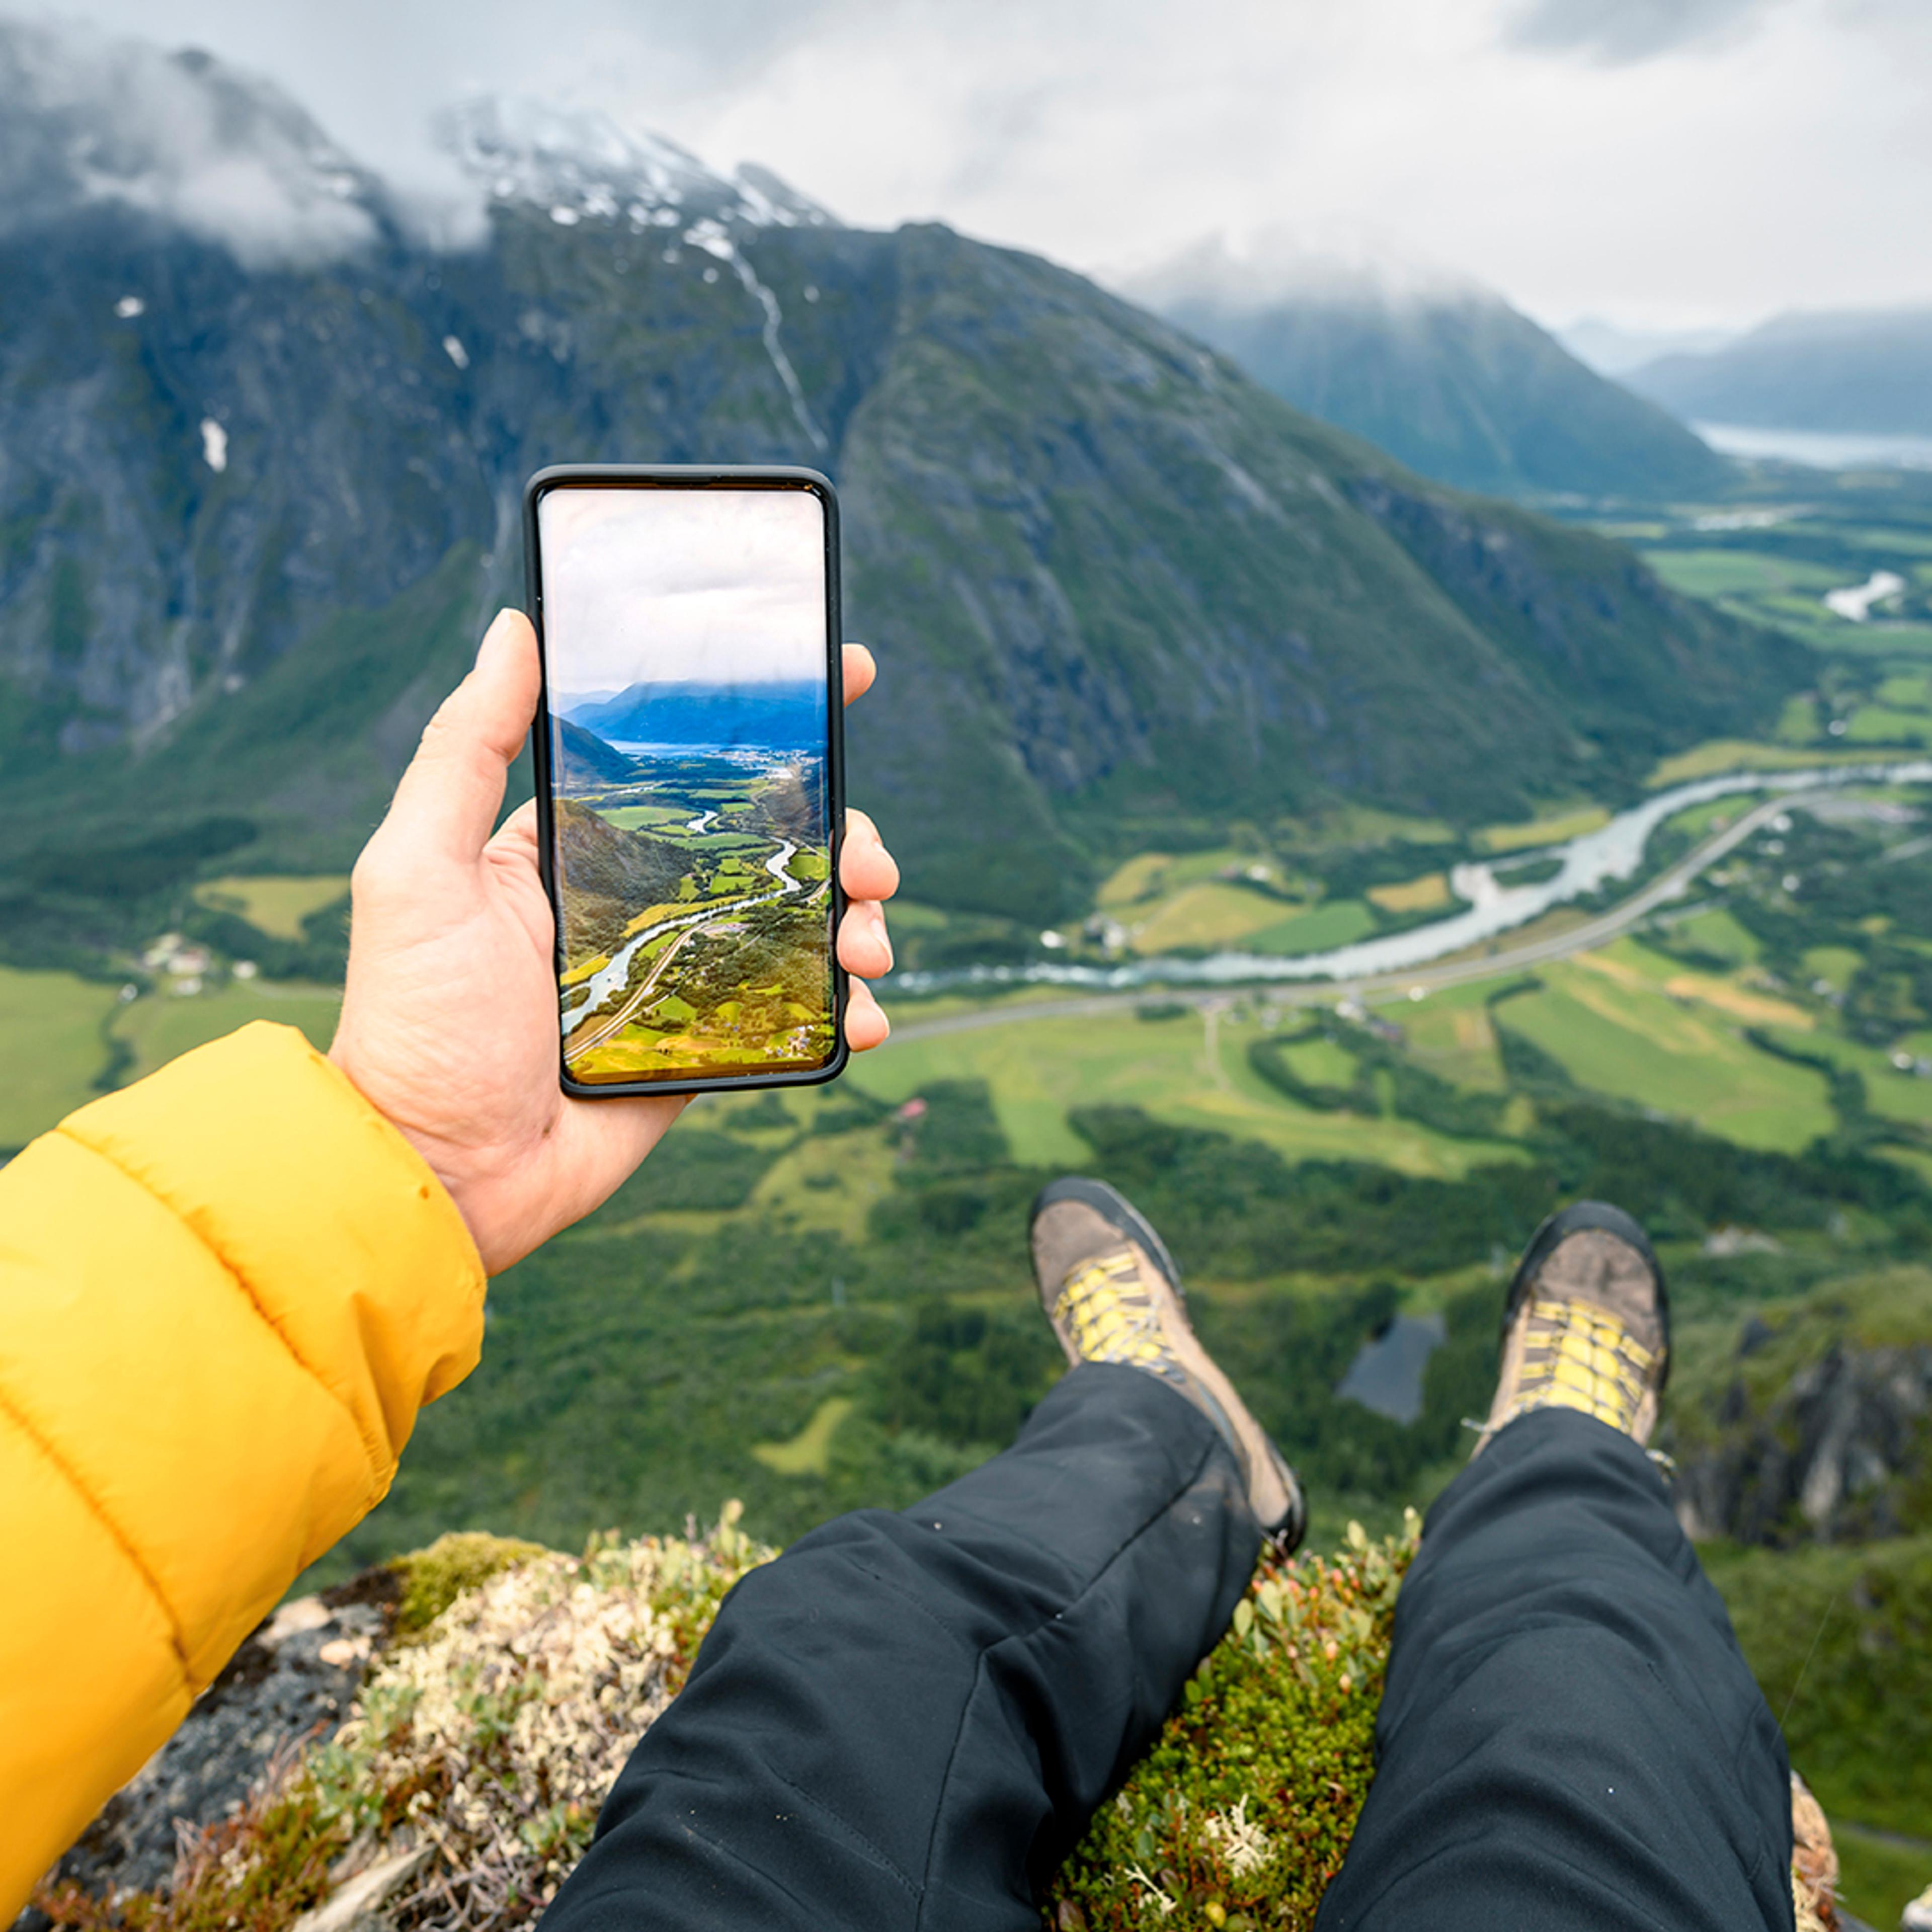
(432, 1579)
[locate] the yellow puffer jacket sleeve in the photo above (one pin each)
(224, 1294)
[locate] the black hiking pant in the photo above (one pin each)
(907, 1720)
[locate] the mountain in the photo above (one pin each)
(254, 508)
(92, 122)
(1613, 350)
(583, 758)
(611, 873)
(1444, 375)
(781, 714)
(1867, 372)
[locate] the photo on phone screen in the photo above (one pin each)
(687, 663)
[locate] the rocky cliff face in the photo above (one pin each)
(1843, 1452)
(1820, 1427)
(1114, 584)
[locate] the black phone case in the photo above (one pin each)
(694, 476)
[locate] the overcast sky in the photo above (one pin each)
(1663, 163)
(677, 586)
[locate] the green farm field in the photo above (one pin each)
(1192, 1069)
(64, 1039)
(1779, 573)
(275, 905)
(52, 1043)
(1624, 1024)
(161, 1027)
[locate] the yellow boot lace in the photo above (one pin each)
(1577, 1355)
(1110, 1316)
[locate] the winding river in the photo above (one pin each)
(587, 995)
(1589, 862)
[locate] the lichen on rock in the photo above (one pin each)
(475, 1757)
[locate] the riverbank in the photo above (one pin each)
(1585, 865)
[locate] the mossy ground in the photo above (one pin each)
(1239, 1815)
(432, 1579)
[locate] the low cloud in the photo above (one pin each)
(375, 71)
(89, 118)
(1616, 31)
(1278, 265)
(1609, 156)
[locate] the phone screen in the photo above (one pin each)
(687, 653)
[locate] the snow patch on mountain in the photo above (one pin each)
(581, 167)
(89, 118)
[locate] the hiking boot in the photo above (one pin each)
(1587, 1325)
(1112, 1292)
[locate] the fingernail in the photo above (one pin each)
(496, 623)
(885, 937)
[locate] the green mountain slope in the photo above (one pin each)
(584, 758)
(1453, 381)
(1318, 621)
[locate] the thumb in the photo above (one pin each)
(449, 798)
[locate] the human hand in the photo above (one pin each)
(449, 1019)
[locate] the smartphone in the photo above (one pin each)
(689, 772)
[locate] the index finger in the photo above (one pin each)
(447, 799)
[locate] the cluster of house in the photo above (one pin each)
(183, 967)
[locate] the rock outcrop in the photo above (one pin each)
(290, 1684)
(1842, 1452)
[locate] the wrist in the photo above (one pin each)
(434, 1154)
